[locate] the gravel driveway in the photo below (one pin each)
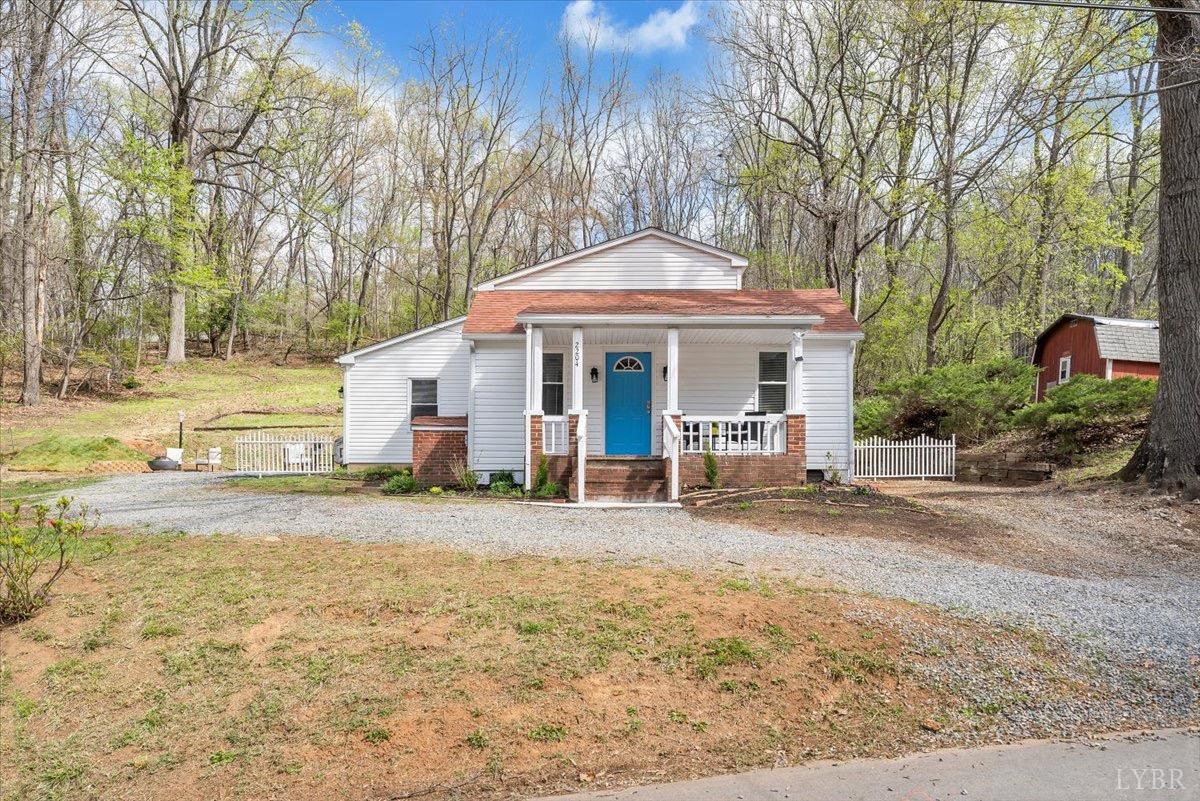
(1153, 616)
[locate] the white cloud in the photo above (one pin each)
(586, 20)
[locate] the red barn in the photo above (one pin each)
(1108, 347)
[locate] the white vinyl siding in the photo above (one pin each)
(648, 263)
(827, 402)
(377, 387)
(498, 430)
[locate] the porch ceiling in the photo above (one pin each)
(641, 335)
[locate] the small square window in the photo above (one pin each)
(424, 398)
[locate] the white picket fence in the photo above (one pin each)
(265, 452)
(923, 457)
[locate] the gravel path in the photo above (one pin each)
(1152, 616)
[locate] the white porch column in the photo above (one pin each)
(535, 389)
(672, 369)
(576, 368)
(577, 409)
(795, 388)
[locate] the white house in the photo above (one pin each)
(621, 364)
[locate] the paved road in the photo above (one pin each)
(1165, 767)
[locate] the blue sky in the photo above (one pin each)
(659, 34)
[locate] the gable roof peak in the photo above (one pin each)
(736, 260)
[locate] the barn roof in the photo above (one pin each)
(1119, 338)
(1131, 343)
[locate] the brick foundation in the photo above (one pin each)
(750, 470)
(436, 450)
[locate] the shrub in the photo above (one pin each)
(34, 554)
(380, 473)
(973, 401)
(1085, 406)
(436, 490)
(503, 477)
(131, 382)
(712, 473)
(542, 475)
(464, 476)
(400, 484)
(547, 490)
(871, 416)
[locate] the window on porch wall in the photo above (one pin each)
(772, 382)
(552, 383)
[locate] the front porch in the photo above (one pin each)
(627, 411)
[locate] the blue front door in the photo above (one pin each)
(627, 404)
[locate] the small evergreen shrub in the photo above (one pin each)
(547, 490)
(712, 473)
(1087, 407)
(401, 484)
(131, 382)
(542, 475)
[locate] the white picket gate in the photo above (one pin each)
(923, 457)
(264, 452)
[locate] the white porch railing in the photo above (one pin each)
(734, 434)
(923, 457)
(271, 452)
(555, 435)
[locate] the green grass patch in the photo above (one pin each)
(40, 489)
(72, 453)
(312, 485)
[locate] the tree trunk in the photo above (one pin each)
(1169, 457)
(175, 340)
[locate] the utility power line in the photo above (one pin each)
(1093, 6)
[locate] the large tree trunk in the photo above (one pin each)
(175, 339)
(1169, 456)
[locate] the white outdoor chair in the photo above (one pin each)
(176, 456)
(213, 460)
(298, 458)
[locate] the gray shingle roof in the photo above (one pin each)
(1127, 340)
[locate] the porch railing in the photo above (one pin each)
(555, 436)
(734, 434)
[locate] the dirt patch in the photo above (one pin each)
(298, 668)
(1097, 531)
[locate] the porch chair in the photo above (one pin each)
(213, 460)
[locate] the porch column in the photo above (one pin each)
(795, 364)
(533, 402)
(797, 425)
(672, 370)
(577, 415)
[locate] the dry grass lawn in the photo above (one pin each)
(202, 668)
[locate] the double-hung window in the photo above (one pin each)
(424, 398)
(772, 382)
(552, 383)
(1064, 369)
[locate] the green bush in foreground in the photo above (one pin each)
(34, 554)
(712, 473)
(1073, 411)
(400, 484)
